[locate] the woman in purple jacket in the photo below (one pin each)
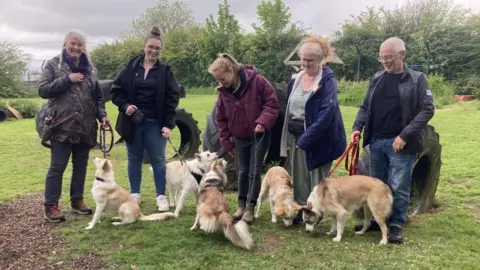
(247, 109)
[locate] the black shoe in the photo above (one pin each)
(79, 207)
(53, 214)
(298, 219)
(395, 235)
(373, 227)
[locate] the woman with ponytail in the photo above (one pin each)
(146, 94)
(247, 109)
(313, 134)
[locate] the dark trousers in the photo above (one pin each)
(60, 154)
(249, 156)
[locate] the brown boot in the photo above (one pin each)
(53, 214)
(240, 210)
(79, 207)
(248, 215)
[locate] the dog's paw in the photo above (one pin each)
(359, 233)
(274, 220)
(176, 215)
(116, 218)
(257, 215)
(331, 232)
(383, 242)
(116, 223)
(90, 226)
(194, 228)
(337, 239)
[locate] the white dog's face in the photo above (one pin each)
(104, 167)
(311, 215)
(205, 158)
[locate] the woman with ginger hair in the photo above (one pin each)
(313, 134)
(247, 108)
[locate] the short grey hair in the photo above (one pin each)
(398, 44)
(82, 38)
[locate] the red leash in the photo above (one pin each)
(355, 154)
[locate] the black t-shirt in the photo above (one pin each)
(145, 91)
(386, 114)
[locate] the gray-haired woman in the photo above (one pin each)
(75, 102)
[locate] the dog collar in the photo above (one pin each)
(99, 179)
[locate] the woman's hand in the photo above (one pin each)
(166, 132)
(76, 77)
(104, 121)
(130, 110)
(259, 129)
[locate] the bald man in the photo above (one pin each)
(397, 106)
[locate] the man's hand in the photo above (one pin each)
(130, 110)
(259, 129)
(398, 144)
(231, 153)
(166, 132)
(355, 137)
(104, 121)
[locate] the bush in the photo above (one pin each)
(27, 108)
(352, 93)
(468, 86)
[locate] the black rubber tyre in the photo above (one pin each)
(426, 172)
(211, 141)
(189, 132)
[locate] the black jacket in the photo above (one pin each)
(123, 95)
(416, 104)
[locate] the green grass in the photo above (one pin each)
(445, 238)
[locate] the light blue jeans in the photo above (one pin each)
(394, 169)
(147, 136)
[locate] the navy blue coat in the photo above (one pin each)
(324, 139)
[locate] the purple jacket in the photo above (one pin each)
(257, 103)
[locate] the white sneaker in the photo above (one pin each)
(162, 203)
(137, 197)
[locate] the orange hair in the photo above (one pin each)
(323, 42)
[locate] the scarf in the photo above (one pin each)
(83, 66)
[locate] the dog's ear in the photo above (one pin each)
(198, 156)
(296, 206)
(106, 165)
(279, 211)
(307, 208)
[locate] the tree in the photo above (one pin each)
(13, 63)
(222, 35)
(273, 40)
(166, 15)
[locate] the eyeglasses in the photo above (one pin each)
(152, 47)
(387, 58)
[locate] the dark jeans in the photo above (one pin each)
(394, 169)
(249, 156)
(147, 136)
(60, 154)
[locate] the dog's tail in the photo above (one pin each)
(236, 232)
(158, 216)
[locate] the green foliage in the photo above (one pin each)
(352, 93)
(468, 86)
(26, 107)
(166, 15)
(13, 62)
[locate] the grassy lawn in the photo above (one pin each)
(445, 238)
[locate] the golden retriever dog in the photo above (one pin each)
(338, 196)
(109, 196)
(213, 211)
(277, 187)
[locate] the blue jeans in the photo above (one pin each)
(394, 169)
(147, 136)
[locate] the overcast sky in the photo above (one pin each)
(38, 26)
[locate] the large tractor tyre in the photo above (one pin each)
(211, 140)
(189, 133)
(426, 172)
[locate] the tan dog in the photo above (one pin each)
(109, 196)
(337, 196)
(213, 210)
(276, 186)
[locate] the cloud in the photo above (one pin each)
(39, 26)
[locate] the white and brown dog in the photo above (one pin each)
(277, 187)
(213, 209)
(183, 178)
(109, 196)
(337, 196)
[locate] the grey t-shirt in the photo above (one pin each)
(297, 102)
